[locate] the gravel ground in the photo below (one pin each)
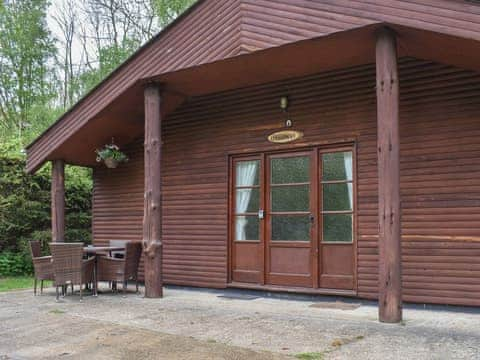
(201, 324)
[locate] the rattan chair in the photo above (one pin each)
(69, 268)
(118, 254)
(121, 270)
(42, 266)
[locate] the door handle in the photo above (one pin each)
(261, 214)
(312, 218)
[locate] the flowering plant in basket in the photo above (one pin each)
(111, 155)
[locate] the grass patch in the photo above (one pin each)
(15, 283)
(56, 311)
(20, 282)
(310, 356)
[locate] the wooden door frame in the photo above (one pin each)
(316, 148)
(330, 149)
(231, 212)
(310, 152)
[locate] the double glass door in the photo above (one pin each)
(289, 219)
(292, 219)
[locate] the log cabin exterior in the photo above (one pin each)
(380, 198)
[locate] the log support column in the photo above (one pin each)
(58, 201)
(152, 216)
(390, 278)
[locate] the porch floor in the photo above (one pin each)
(231, 324)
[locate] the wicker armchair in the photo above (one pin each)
(42, 266)
(121, 270)
(70, 268)
(118, 254)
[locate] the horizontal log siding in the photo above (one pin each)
(118, 200)
(267, 23)
(440, 175)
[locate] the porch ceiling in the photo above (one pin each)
(123, 118)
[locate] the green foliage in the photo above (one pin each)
(25, 209)
(17, 282)
(40, 117)
(109, 58)
(168, 10)
(310, 356)
(14, 264)
(10, 147)
(31, 84)
(25, 50)
(111, 151)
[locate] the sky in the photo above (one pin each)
(53, 10)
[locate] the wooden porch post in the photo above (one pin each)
(58, 201)
(152, 216)
(390, 278)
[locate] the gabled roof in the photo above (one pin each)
(212, 31)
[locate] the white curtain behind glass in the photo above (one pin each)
(246, 173)
(347, 161)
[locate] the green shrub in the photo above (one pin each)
(25, 209)
(14, 264)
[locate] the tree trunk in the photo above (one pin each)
(152, 218)
(390, 281)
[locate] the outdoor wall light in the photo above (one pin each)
(285, 136)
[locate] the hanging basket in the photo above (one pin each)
(111, 155)
(110, 163)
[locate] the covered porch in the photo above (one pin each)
(145, 109)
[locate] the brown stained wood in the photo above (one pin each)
(152, 216)
(388, 140)
(58, 201)
(288, 262)
(440, 30)
(330, 107)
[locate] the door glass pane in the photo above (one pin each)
(337, 166)
(247, 200)
(247, 173)
(290, 228)
(291, 198)
(337, 228)
(290, 170)
(337, 197)
(246, 228)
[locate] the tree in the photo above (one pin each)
(40, 77)
(66, 18)
(25, 208)
(26, 51)
(168, 10)
(114, 29)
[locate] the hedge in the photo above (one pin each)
(25, 210)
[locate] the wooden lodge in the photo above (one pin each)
(322, 146)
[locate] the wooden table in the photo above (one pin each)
(100, 250)
(94, 250)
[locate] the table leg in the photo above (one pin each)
(95, 283)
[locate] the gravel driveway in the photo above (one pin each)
(202, 324)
